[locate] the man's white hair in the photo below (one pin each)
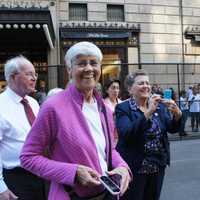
(13, 65)
(82, 48)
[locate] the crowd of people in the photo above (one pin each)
(79, 134)
(189, 103)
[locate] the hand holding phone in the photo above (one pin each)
(116, 178)
(123, 175)
(168, 94)
(110, 185)
(173, 108)
(153, 102)
(87, 176)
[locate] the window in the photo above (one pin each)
(77, 12)
(115, 13)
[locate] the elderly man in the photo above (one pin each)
(17, 113)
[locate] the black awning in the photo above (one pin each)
(26, 19)
(100, 30)
(64, 33)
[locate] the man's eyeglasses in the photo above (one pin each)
(29, 74)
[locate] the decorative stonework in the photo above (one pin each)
(101, 25)
(102, 42)
(101, 33)
(21, 26)
(12, 4)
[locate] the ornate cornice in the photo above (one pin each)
(19, 5)
(102, 33)
(100, 25)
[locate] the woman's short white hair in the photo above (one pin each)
(82, 48)
(13, 65)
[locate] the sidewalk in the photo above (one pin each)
(190, 136)
(188, 129)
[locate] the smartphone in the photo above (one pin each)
(116, 178)
(167, 94)
(110, 185)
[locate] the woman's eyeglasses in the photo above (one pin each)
(84, 63)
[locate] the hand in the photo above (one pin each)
(8, 195)
(152, 105)
(123, 171)
(173, 108)
(86, 176)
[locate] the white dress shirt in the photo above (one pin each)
(14, 127)
(194, 102)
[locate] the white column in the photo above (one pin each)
(132, 58)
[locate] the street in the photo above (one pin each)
(182, 180)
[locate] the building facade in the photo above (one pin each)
(150, 34)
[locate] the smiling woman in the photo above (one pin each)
(77, 128)
(84, 62)
(86, 73)
(142, 122)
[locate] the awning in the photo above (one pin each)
(106, 35)
(28, 20)
(193, 32)
(100, 30)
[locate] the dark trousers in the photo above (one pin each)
(105, 195)
(194, 120)
(145, 187)
(24, 184)
(183, 120)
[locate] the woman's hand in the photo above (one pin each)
(86, 176)
(8, 195)
(152, 105)
(173, 108)
(123, 171)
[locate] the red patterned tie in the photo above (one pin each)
(28, 110)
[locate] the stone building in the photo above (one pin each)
(151, 34)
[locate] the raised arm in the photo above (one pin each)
(129, 125)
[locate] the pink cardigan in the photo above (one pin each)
(62, 128)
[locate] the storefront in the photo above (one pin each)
(113, 39)
(28, 32)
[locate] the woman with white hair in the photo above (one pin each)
(77, 129)
(54, 91)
